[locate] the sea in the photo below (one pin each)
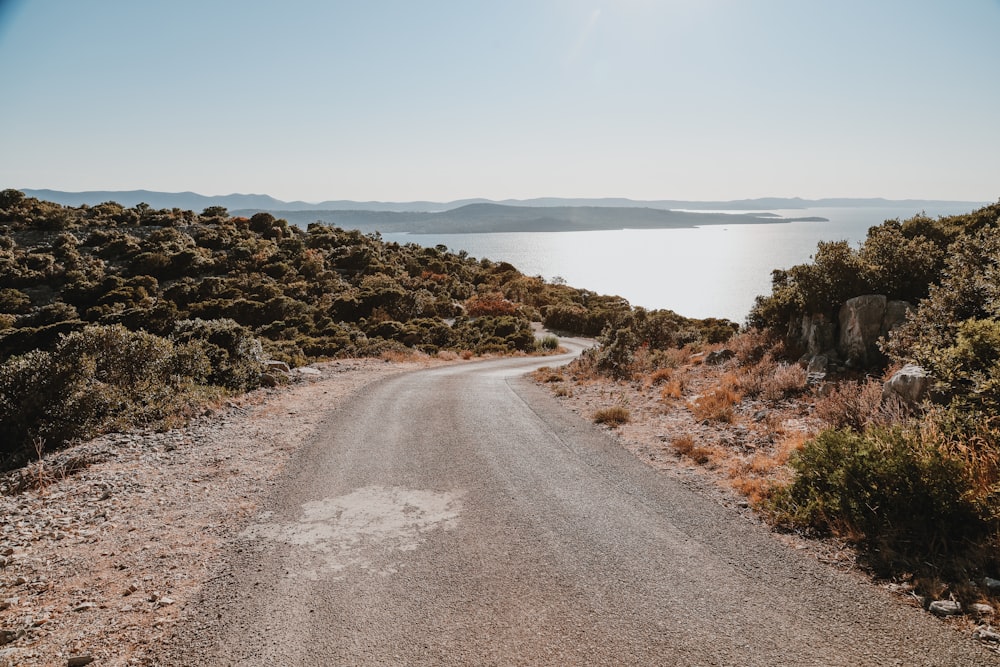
(710, 271)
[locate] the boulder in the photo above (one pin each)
(860, 327)
(818, 364)
(716, 357)
(909, 384)
(863, 320)
(817, 334)
(945, 608)
(895, 314)
(274, 365)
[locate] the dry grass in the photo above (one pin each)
(752, 346)
(720, 403)
(685, 445)
(657, 377)
(673, 390)
(857, 405)
(764, 472)
(402, 356)
(466, 354)
(447, 355)
(613, 416)
(563, 391)
(773, 381)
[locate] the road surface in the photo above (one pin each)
(459, 516)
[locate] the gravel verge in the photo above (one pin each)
(103, 544)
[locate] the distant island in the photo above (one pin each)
(468, 216)
(487, 218)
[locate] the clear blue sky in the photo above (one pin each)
(313, 100)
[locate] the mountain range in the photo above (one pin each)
(254, 202)
(547, 214)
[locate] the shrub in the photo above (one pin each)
(659, 376)
(672, 389)
(548, 343)
(717, 405)
(786, 381)
(685, 445)
(893, 491)
(96, 379)
(613, 416)
(616, 353)
(237, 357)
(493, 304)
(857, 405)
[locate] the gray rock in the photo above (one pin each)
(79, 660)
(909, 384)
(716, 357)
(308, 370)
(818, 364)
(985, 634)
(863, 320)
(860, 327)
(945, 608)
(817, 334)
(7, 636)
(980, 609)
(273, 365)
(895, 314)
(991, 583)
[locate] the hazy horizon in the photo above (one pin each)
(393, 101)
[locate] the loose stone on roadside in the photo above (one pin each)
(945, 608)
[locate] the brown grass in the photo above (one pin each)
(402, 356)
(659, 376)
(857, 405)
(613, 416)
(756, 489)
(466, 354)
(773, 381)
(718, 404)
(762, 474)
(753, 345)
(686, 446)
(674, 389)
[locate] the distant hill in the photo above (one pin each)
(479, 218)
(255, 203)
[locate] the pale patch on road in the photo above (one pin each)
(362, 529)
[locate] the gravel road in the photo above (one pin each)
(460, 516)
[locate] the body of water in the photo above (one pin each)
(711, 271)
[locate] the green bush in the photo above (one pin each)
(237, 358)
(548, 343)
(615, 355)
(906, 500)
(98, 379)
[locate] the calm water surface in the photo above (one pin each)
(711, 271)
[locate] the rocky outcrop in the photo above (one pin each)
(852, 338)
(863, 320)
(909, 384)
(818, 334)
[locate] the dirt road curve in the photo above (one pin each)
(458, 516)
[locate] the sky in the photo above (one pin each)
(395, 101)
